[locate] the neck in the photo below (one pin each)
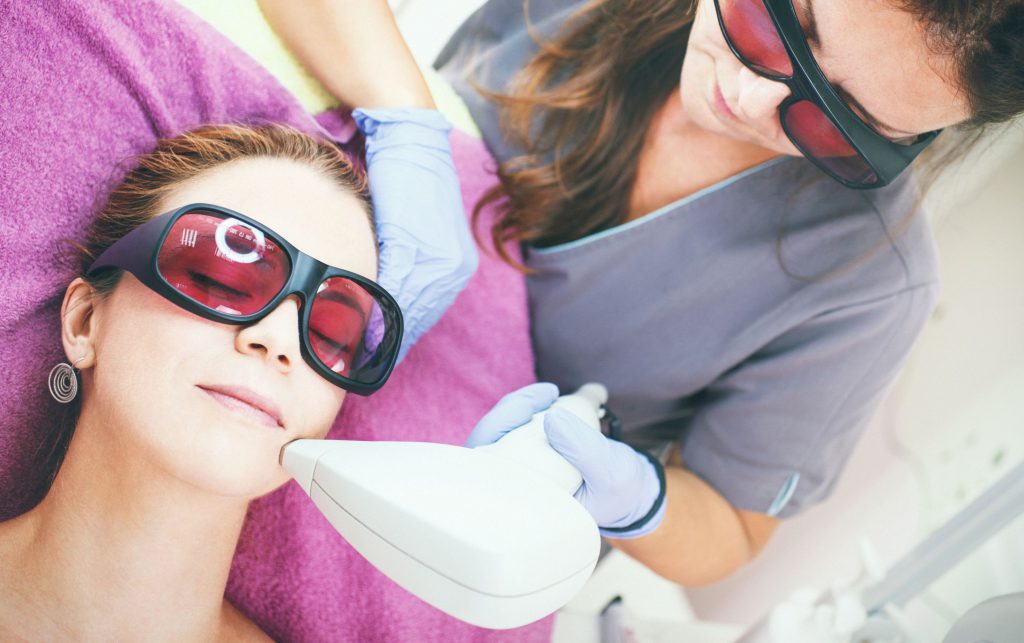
(119, 549)
(679, 157)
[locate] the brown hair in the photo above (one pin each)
(580, 106)
(592, 93)
(176, 160)
(986, 41)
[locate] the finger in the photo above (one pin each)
(530, 399)
(396, 262)
(579, 443)
(512, 411)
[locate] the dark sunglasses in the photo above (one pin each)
(767, 37)
(229, 268)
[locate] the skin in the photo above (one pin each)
(703, 537)
(135, 538)
(364, 63)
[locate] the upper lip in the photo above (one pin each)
(250, 397)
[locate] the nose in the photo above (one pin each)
(274, 338)
(758, 97)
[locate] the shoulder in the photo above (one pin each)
(863, 244)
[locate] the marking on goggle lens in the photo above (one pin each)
(252, 234)
(189, 236)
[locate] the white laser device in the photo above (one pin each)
(491, 536)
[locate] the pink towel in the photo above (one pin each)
(84, 86)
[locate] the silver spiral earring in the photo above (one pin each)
(63, 381)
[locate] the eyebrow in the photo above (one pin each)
(811, 32)
(344, 300)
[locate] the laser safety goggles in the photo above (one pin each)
(767, 37)
(229, 268)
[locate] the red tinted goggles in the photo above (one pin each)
(229, 268)
(767, 37)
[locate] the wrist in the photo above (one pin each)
(404, 128)
(381, 120)
(386, 98)
(655, 513)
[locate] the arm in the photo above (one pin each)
(354, 48)
(693, 536)
(772, 433)
(797, 407)
(702, 538)
(427, 254)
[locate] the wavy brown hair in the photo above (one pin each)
(579, 108)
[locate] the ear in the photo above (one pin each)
(78, 323)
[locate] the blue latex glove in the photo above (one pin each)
(427, 254)
(511, 412)
(620, 485)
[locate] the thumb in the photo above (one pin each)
(511, 412)
(579, 443)
(396, 262)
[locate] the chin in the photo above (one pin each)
(229, 460)
(239, 478)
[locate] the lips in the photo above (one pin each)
(723, 106)
(247, 403)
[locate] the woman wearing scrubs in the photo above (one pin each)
(719, 225)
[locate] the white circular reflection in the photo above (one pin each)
(246, 232)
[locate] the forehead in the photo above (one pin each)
(880, 55)
(296, 201)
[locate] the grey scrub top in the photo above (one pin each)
(759, 321)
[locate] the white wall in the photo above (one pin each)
(427, 24)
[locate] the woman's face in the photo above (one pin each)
(875, 53)
(181, 391)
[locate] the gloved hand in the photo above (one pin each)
(511, 412)
(427, 254)
(622, 489)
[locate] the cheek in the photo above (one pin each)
(707, 61)
(149, 359)
(143, 349)
(150, 356)
(324, 403)
(706, 33)
(695, 74)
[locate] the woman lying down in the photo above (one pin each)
(226, 304)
